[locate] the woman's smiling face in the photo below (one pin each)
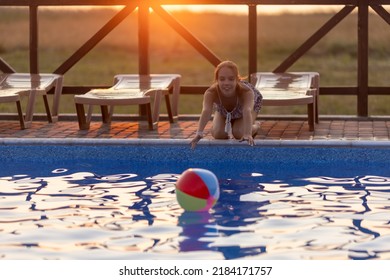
(227, 81)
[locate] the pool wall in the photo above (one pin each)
(148, 150)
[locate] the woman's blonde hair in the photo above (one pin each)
(229, 64)
(234, 68)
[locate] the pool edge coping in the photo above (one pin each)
(204, 142)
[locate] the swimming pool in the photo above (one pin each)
(115, 199)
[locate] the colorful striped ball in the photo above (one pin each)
(197, 189)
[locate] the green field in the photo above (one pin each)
(62, 32)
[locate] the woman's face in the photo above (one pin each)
(227, 81)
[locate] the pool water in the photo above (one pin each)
(84, 201)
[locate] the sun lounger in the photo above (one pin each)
(14, 86)
(132, 89)
(12, 95)
(287, 89)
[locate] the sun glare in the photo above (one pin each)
(230, 9)
(243, 9)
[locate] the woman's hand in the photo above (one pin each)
(250, 140)
(195, 141)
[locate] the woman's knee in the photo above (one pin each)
(238, 129)
(219, 134)
(238, 133)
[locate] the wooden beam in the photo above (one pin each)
(252, 43)
(33, 49)
(382, 12)
(309, 43)
(143, 40)
(188, 36)
(5, 67)
(362, 75)
(95, 39)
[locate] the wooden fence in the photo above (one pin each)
(362, 90)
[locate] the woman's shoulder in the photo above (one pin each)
(245, 86)
(212, 90)
(211, 94)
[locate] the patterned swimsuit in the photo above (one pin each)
(236, 113)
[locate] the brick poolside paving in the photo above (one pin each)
(370, 129)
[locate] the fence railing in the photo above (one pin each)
(362, 90)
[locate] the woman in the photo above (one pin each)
(235, 104)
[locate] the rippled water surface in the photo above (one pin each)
(124, 210)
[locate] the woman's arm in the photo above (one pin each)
(247, 109)
(207, 110)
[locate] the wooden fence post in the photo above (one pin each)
(252, 44)
(143, 39)
(362, 75)
(34, 68)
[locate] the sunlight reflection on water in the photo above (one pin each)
(83, 215)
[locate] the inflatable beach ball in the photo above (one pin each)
(197, 189)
